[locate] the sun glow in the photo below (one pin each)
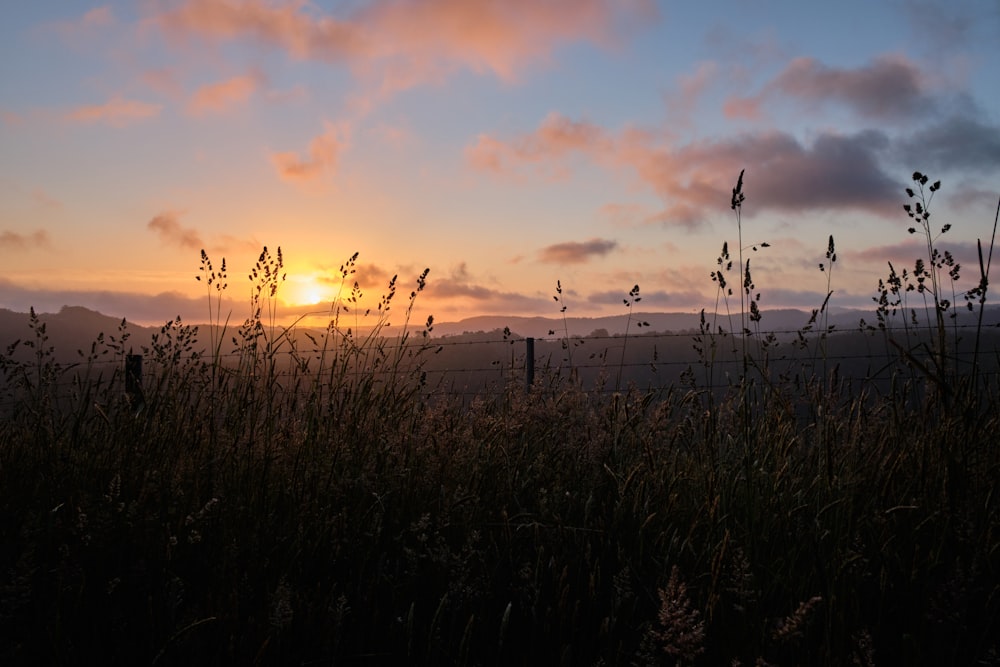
(307, 290)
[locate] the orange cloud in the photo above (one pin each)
(402, 44)
(555, 137)
(18, 241)
(321, 157)
(169, 228)
(218, 97)
(116, 112)
(284, 26)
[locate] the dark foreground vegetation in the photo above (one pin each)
(231, 514)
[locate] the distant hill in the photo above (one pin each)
(787, 319)
(75, 328)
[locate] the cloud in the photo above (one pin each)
(834, 172)
(959, 142)
(891, 87)
(116, 112)
(221, 96)
(968, 197)
(281, 25)
(573, 252)
(458, 293)
(746, 108)
(319, 159)
(682, 104)
(941, 27)
(454, 295)
(556, 137)
(402, 44)
(169, 229)
(18, 241)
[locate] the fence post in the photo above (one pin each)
(529, 364)
(133, 379)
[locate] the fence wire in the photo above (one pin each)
(615, 358)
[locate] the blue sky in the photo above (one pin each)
(504, 145)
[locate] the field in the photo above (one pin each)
(237, 508)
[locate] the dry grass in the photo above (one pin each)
(331, 513)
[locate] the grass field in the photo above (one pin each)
(231, 514)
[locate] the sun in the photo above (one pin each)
(306, 290)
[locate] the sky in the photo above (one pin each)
(506, 145)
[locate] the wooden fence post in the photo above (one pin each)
(529, 364)
(133, 379)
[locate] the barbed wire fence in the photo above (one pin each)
(473, 364)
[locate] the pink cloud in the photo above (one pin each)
(167, 225)
(556, 137)
(281, 25)
(747, 108)
(116, 112)
(221, 96)
(318, 160)
(402, 44)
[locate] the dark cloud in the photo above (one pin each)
(889, 87)
(452, 297)
(573, 252)
(959, 142)
(458, 291)
(169, 229)
(835, 172)
(905, 253)
(943, 26)
(19, 241)
(695, 180)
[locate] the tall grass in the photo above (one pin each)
(329, 512)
